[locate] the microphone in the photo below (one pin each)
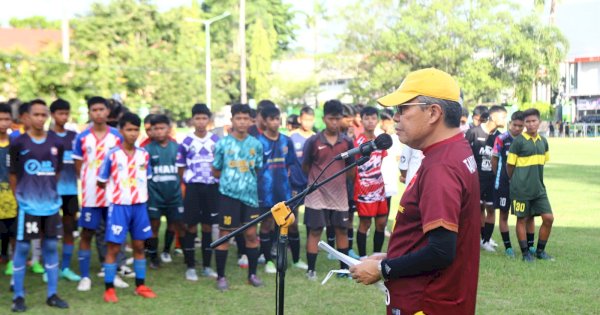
(382, 142)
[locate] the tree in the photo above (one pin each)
(480, 42)
(262, 47)
(35, 22)
(151, 58)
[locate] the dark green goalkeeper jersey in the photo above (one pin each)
(164, 189)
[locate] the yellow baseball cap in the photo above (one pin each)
(426, 82)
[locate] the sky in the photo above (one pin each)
(579, 20)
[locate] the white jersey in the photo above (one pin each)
(126, 176)
(410, 161)
(389, 167)
(92, 151)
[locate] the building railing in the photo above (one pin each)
(577, 130)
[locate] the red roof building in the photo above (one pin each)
(28, 40)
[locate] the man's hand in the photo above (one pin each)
(366, 272)
(379, 257)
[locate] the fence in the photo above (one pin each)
(578, 130)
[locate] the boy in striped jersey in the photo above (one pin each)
(126, 169)
(525, 167)
(89, 150)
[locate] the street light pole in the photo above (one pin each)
(208, 79)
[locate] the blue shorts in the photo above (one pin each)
(90, 217)
(127, 218)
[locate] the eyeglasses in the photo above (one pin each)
(400, 108)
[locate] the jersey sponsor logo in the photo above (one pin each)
(242, 165)
(68, 157)
(486, 165)
(37, 168)
(485, 151)
(471, 164)
(116, 229)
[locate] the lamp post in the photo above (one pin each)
(207, 23)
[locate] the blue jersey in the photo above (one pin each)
(36, 164)
(67, 183)
(273, 183)
(500, 150)
(298, 179)
(15, 134)
(238, 160)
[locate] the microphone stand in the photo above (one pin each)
(284, 217)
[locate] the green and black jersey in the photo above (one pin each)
(528, 155)
(164, 189)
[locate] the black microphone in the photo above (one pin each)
(382, 142)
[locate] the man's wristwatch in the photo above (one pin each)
(381, 269)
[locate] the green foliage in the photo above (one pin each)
(482, 43)
(262, 47)
(35, 22)
(151, 58)
(546, 110)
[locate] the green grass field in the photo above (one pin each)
(570, 285)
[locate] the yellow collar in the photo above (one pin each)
(528, 137)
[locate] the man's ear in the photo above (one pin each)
(435, 113)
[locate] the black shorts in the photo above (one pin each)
(32, 227)
(317, 219)
(486, 192)
(8, 226)
(173, 214)
(502, 199)
(70, 205)
(201, 204)
(233, 213)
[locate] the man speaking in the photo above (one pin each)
(432, 263)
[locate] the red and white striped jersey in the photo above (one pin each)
(92, 150)
(126, 176)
